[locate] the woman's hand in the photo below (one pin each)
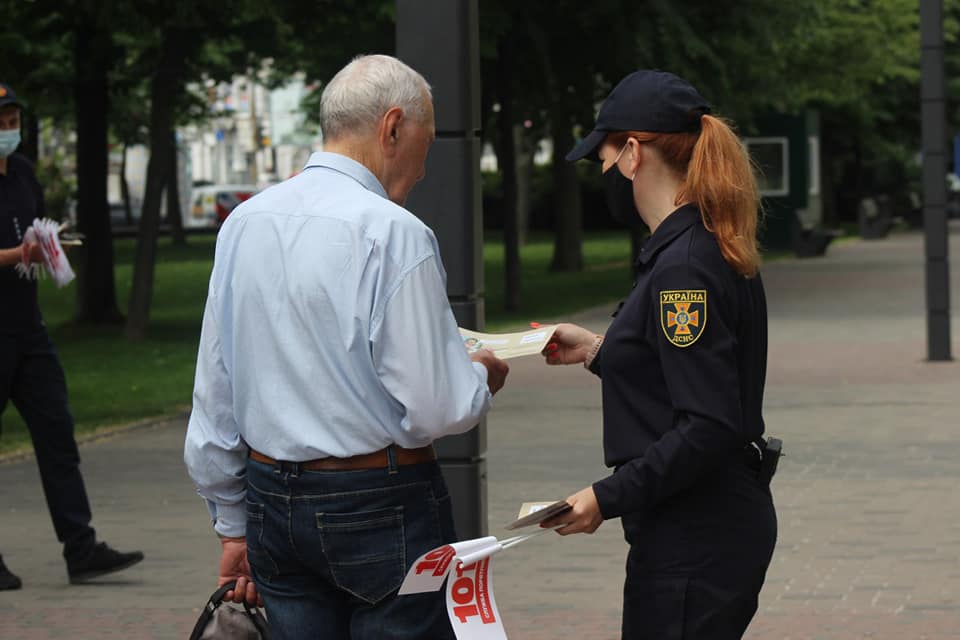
(584, 517)
(569, 344)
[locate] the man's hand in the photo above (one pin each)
(21, 253)
(569, 344)
(234, 566)
(497, 369)
(585, 516)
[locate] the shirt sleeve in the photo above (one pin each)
(702, 379)
(421, 360)
(214, 452)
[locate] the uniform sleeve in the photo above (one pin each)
(696, 344)
(214, 452)
(422, 362)
(596, 366)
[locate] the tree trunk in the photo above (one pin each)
(125, 187)
(568, 212)
(568, 244)
(96, 293)
(174, 211)
(508, 169)
(165, 87)
(524, 154)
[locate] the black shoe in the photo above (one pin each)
(8, 581)
(100, 561)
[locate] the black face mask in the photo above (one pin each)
(619, 192)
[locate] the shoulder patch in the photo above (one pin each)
(683, 315)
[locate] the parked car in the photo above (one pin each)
(211, 204)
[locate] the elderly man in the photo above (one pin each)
(329, 362)
(30, 372)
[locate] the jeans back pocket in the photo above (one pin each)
(261, 562)
(365, 551)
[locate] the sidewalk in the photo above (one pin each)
(869, 519)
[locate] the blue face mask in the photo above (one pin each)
(9, 141)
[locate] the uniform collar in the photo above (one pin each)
(671, 227)
(349, 167)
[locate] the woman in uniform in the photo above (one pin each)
(682, 367)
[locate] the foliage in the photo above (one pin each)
(59, 188)
(856, 61)
(37, 57)
(324, 35)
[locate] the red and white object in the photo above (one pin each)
(467, 568)
(45, 232)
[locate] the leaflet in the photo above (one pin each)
(509, 345)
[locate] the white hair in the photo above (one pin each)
(358, 96)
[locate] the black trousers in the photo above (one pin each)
(697, 562)
(32, 378)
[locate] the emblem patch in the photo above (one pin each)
(683, 315)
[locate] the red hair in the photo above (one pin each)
(718, 177)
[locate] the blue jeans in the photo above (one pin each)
(328, 550)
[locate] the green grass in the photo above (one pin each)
(545, 295)
(114, 381)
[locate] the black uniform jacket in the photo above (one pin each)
(21, 201)
(682, 366)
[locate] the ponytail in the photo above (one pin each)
(720, 180)
(718, 177)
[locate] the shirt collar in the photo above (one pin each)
(348, 167)
(671, 227)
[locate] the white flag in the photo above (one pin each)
(45, 232)
(467, 567)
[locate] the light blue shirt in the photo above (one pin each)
(327, 332)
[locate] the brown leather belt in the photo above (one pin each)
(375, 460)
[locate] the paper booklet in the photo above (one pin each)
(509, 345)
(537, 512)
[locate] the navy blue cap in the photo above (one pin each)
(646, 100)
(7, 96)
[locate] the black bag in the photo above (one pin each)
(220, 621)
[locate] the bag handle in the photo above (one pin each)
(216, 599)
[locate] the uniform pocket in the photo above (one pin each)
(365, 551)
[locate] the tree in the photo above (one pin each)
(507, 155)
(165, 85)
(180, 31)
(60, 56)
(93, 58)
(129, 121)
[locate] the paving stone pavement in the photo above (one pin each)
(869, 518)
